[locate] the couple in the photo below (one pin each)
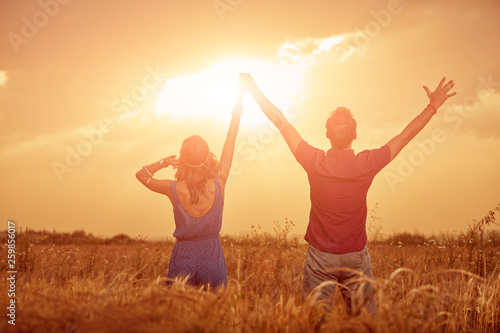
(339, 181)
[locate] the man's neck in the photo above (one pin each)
(346, 148)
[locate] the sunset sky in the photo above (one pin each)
(90, 91)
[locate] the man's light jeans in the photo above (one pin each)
(351, 271)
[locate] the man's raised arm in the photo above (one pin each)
(436, 99)
(289, 133)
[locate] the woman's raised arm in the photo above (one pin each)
(145, 175)
(226, 158)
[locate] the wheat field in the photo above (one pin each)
(80, 283)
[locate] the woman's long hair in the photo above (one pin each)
(198, 165)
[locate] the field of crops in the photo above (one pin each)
(79, 283)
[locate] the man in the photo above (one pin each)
(339, 180)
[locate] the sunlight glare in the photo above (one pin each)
(212, 93)
(3, 78)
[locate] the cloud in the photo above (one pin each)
(309, 50)
(13, 146)
(18, 144)
(477, 115)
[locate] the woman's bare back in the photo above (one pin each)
(205, 202)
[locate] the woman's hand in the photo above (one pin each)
(440, 95)
(171, 160)
(247, 82)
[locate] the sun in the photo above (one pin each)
(212, 92)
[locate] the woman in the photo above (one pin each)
(197, 196)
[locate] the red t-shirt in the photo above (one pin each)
(339, 183)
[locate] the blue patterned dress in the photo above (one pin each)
(197, 252)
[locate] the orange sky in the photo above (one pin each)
(67, 67)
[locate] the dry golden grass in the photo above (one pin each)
(82, 284)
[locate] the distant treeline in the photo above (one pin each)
(80, 237)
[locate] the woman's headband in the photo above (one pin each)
(199, 165)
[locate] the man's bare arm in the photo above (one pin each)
(289, 133)
(436, 100)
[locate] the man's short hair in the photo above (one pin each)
(341, 128)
